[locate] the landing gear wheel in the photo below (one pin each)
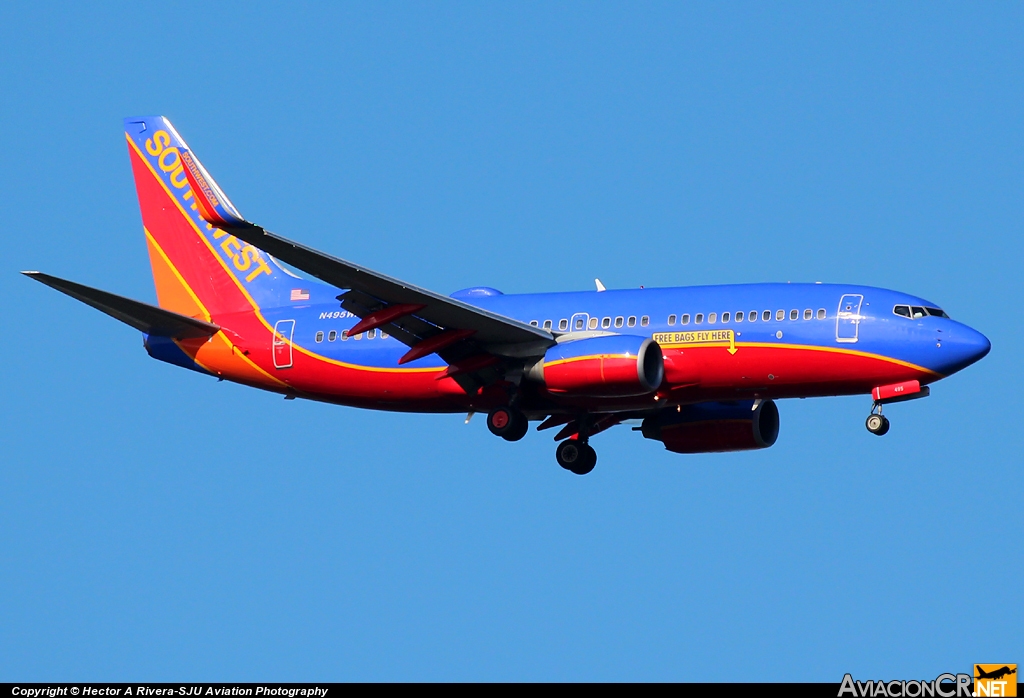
(522, 426)
(510, 424)
(877, 424)
(576, 457)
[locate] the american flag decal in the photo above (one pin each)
(299, 294)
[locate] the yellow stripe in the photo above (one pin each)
(558, 362)
(206, 313)
(252, 302)
(806, 347)
(174, 269)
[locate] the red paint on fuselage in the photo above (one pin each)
(188, 264)
(752, 372)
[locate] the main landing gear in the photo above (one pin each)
(876, 423)
(508, 423)
(576, 456)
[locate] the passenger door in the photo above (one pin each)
(848, 318)
(282, 343)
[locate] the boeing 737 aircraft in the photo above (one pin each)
(697, 368)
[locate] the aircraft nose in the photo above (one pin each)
(963, 346)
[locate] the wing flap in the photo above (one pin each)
(142, 316)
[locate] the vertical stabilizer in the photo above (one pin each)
(199, 270)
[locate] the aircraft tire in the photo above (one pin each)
(576, 457)
(506, 422)
(877, 424)
(522, 426)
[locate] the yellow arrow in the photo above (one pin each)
(732, 342)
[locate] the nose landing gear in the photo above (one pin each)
(888, 394)
(877, 424)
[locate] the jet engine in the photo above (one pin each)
(711, 427)
(603, 366)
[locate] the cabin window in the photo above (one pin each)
(766, 315)
(563, 324)
(794, 314)
(631, 321)
(593, 323)
(319, 337)
(725, 317)
(699, 319)
(547, 324)
(358, 336)
(606, 323)
(821, 313)
(780, 315)
(371, 334)
(739, 316)
(344, 335)
(808, 314)
(671, 320)
(580, 323)
(685, 320)
(645, 321)
(752, 316)
(533, 323)
(618, 321)
(712, 318)
(383, 334)
(332, 335)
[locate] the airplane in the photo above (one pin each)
(697, 368)
(996, 674)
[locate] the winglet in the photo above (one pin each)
(600, 286)
(214, 206)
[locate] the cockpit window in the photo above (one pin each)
(917, 311)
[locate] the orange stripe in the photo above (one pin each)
(252, 302)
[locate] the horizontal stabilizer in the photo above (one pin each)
(142, 316)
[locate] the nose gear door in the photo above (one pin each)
(848, 318)
(282, 343)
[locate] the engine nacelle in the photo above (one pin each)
(604, 366)
(712, 427)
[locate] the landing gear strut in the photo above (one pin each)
(576, 456)
(876, 423)
(508, 423)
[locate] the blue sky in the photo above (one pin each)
(158, 525)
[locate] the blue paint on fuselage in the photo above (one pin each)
(165, 349)
(938, 344)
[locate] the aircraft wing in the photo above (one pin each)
(475, 343)
(499, 334)
(142, 316)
